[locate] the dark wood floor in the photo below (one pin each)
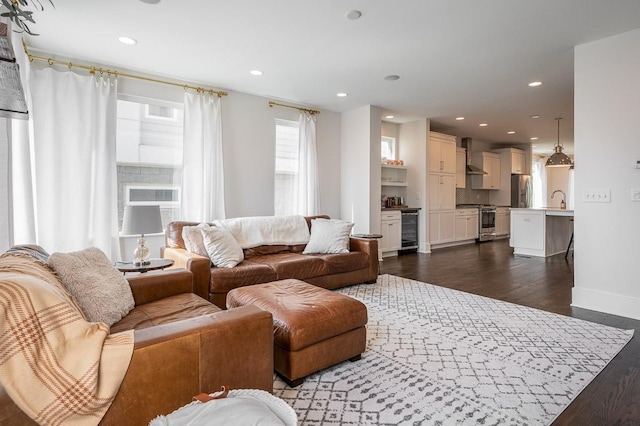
(490, 269)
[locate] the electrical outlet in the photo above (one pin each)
(418, 196)
(635, 194)
(597, 196)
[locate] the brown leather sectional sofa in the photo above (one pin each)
(184, 345)
(270, 263)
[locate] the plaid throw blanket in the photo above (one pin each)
(57, 367)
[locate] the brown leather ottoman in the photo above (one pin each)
(314, 328)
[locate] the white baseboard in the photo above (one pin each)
(610, 303)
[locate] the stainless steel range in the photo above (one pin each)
(486, 220)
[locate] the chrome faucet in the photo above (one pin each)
(563, 203)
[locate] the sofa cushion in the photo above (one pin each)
(344, 262)
(192, 238)
(294, 265)
(163, 311)
(102, 292)
(223, 250)
(329, 236)
(246, 273)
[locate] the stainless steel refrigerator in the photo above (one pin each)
(521, 191)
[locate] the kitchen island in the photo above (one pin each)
(540, 232)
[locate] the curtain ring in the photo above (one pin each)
(50, 61)
(70, 65)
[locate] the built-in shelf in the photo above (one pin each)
(393, 175)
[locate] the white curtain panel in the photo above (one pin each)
(539, 177)
(202, 167)
(308, 197)
(74, 161)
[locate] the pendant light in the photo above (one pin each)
(559, 158)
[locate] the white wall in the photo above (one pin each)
(607, 140)
(360, 165)
(413, 137)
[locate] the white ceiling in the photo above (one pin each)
(466, 58)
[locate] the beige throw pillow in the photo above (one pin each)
(223, 250)
(192, 238)
(101, 290)
(329, 236)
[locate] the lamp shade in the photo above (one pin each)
(141, 220)
(558, 159)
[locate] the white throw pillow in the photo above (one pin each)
(223, 250)
(329, 236)
(101, 290)
(192, 238)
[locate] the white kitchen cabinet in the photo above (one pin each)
(442, 153)
(441, 226)
(442, 192)
(490, 163)
(531, 231)
(461, 167)
(466, 226)
(503, 221)
(518, 162)
(391, 230)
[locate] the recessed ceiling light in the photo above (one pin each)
(354, 14)
(392, 77)
(483, 124)
(255, 72)
(459, 118)
(511, 132)
(535, 84)
(150, 1)
(341, 95)
(127, 40)
(534, 138)
(534, 116)
(389, 116)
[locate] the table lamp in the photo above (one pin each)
(141, 220)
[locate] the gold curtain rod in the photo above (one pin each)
(310, 111)
(93, 69)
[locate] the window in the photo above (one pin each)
(164, 196)
(388, 148)
(286, 170)
(149, 155)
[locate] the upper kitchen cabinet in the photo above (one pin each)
(513, 160)
(490, 163)
(461, 167)
(442, 153)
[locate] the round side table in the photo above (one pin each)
(153, 265)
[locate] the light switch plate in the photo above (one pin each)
(597, 196)
(635, 194)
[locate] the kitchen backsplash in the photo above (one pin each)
(472, 196)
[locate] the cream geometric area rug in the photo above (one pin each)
(437, 356)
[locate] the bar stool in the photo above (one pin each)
(566, 253)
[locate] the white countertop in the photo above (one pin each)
(549, 211)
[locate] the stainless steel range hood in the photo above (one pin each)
(471, 169)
